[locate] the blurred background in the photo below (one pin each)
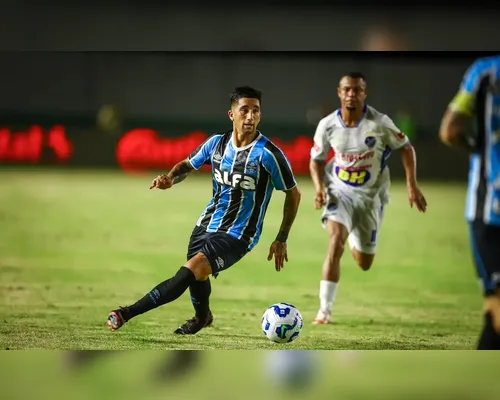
(249, 375)
(134, 87)
(96, 71)
(95, 107)
(273, 25)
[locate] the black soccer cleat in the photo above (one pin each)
(194, 325)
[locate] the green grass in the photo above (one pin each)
(74, 245)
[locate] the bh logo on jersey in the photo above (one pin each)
(237, 181)
(352, 178)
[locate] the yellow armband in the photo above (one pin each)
(463, 103)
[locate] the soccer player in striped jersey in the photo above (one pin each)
(246, 168)
(478, 101)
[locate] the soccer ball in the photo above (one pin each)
(282, 323)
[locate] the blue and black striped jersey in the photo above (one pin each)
(243, 181)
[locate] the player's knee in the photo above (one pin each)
(199, 266)
(364, 260)
(365, 264)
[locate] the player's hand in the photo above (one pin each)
(319, 199)
(162, 182)
(415, 197)
(278, 249)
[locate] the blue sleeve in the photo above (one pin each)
(201, 155)
(464, 102)
(278, 166)
(473, 76)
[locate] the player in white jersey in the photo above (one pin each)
(353, 187)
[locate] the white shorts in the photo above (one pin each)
(362, 222)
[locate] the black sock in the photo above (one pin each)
(489, 339)
(164, 293)
(200, 293)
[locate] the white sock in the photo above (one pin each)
(327, 294)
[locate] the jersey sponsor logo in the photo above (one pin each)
(370, 141)
(359, 167)
(356, 157)
(352, 178)
(236, 180)
(252, 166)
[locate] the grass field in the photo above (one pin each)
(75, 245)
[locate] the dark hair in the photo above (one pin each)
(355, 75)
(242, 92)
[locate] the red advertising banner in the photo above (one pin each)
(143, 149)
(28, 146)
(137, 150)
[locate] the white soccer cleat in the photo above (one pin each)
(323, 317)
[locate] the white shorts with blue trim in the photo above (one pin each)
(362, 219)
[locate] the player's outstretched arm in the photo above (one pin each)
(278, 247)
(397, 140)
(177, 174)
(415, 196)
(180, 171)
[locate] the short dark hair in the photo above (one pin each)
(242, 92)
(355, 75)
